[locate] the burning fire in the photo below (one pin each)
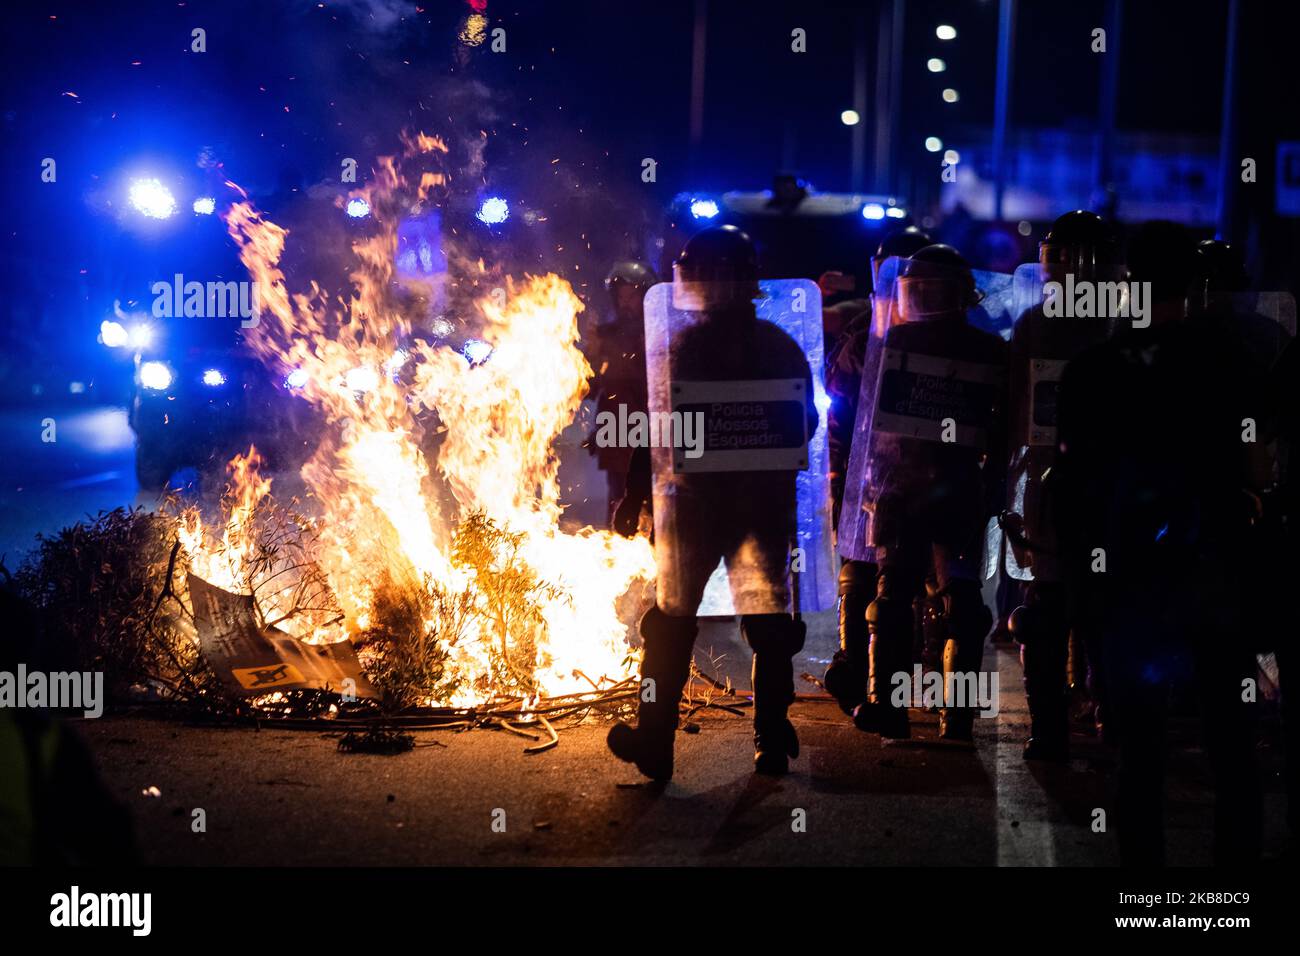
(490, 427)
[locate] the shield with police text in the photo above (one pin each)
(928, 385)
(737, 434)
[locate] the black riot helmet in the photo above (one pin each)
(1217, 270)
(1078, 243)
(718, 267)
(1219, 267)
(901, 243)
(935, 282)
(638, 275)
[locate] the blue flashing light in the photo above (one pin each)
(113, 334)
(494, 210)
(155, 376)
(704, 208)
(152, 199)
(358, 208)
(476, 351)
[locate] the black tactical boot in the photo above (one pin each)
(846, 677)
(890, 622)
(1043, 632)
(776, 639)
(665, 668)
(969, 622)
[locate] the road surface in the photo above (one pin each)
(274, 797)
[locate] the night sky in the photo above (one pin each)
(288, 88)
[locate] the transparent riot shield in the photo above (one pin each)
(995, 311)
(1278, 307)
(969, 371)
(1058, 315)
(737, 433)
(1264, 321)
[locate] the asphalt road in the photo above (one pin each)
(275, 797)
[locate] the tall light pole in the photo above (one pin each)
(1002, 104)
(858, 160)
(1104, 167)
(1228, 131)
(889, 72)
(699, 47)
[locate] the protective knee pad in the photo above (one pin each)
(969, 622)
(857, 586)
(1021, 624)
(774, 634)
(890, 621)
(1042, 620)
(656, 627)
(669, 647)
(857, 577)
(890, 616)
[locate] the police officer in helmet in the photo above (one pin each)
(745, 519)
(857, 358)
(931, 477)
(1085, 245)
(618, 361)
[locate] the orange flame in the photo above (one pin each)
(383, 510)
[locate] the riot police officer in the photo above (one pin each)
(618, 363)
(931, 478)
(1083, 245)
(745, 519)
(1153, 505)
(855, 358)
(1218, 293)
